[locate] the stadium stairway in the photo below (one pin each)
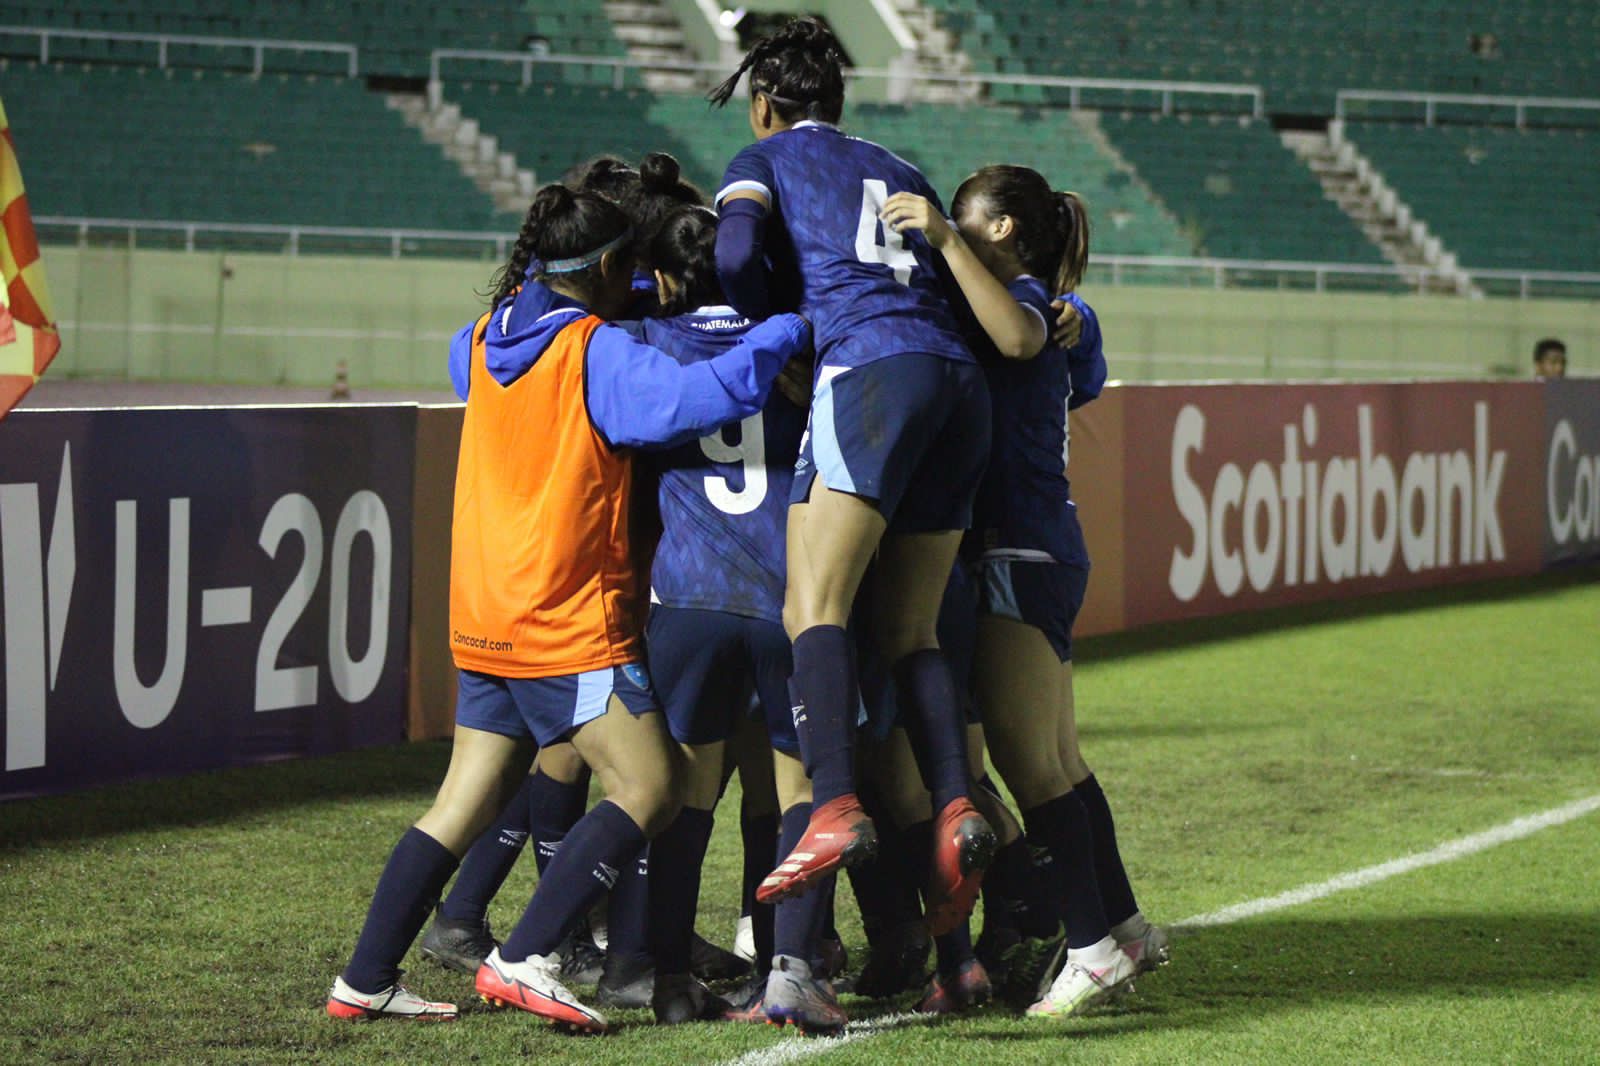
(1350, 180)
(1466, 181)
(652, 35)
(1239, 193)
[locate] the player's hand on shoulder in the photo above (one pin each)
(1069, 324)
(907, 210)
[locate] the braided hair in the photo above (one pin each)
(1052, 227)
(560, 224)
(800, 69)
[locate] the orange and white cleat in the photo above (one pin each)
(839, 834)
(963, 847)
(534, 985)
(396, 1001)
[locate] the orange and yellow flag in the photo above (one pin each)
(28, 338)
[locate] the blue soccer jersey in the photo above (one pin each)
(868, 291)
(1025, 505)
(724, 498)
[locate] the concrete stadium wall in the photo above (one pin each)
(271, 319)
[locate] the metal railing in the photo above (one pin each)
(1553, 282)
(1430, 102)
(1117, 269)
(289, 239)
(1168, 92)
(258, 46)
(1285, 273)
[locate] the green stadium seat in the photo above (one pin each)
(1302, 52)
(553, 127)
(1467, 182)
(395, 38)
(209, 147)
(1238, 192)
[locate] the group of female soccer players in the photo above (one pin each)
(859, 516)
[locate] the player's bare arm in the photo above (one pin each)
(1016, 332)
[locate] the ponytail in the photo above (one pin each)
(1072, 221)
(1052, 227)
(510, 276)
(800, 69)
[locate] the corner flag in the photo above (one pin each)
(28, 338)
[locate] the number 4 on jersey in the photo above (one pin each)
(893, 252)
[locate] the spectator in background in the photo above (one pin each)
(1550, 359)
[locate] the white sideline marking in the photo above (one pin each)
(797, 1048)
(1451, 850)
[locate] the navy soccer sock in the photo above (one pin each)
(1004, 905)
(1115, 888)
(628, 921)
(1060, 827)
(825, 681)
(760, 834)
(886, 889)
(554, 807)
(417, 870)
(603, 843)
(488, 862)
(952, 949)
(675, 888)
(798, 921)
(925, 694)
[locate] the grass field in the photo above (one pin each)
(201, 920)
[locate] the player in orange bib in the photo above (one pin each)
(548, 597)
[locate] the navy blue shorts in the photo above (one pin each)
(1046, 595)
(958, 638)
(549, 709)
(910, 433)
(707, 663)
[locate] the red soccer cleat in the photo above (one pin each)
(963, 847)
(969, 988)
(839, 834)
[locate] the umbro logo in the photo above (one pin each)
(548, 848)
(606, 875)
(513, 838)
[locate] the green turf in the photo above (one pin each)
(201, 920)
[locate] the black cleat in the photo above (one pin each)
(582, 960)
(626, 984)
(896, 963)
(459, 946)
(682, 997)
(712, 963)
